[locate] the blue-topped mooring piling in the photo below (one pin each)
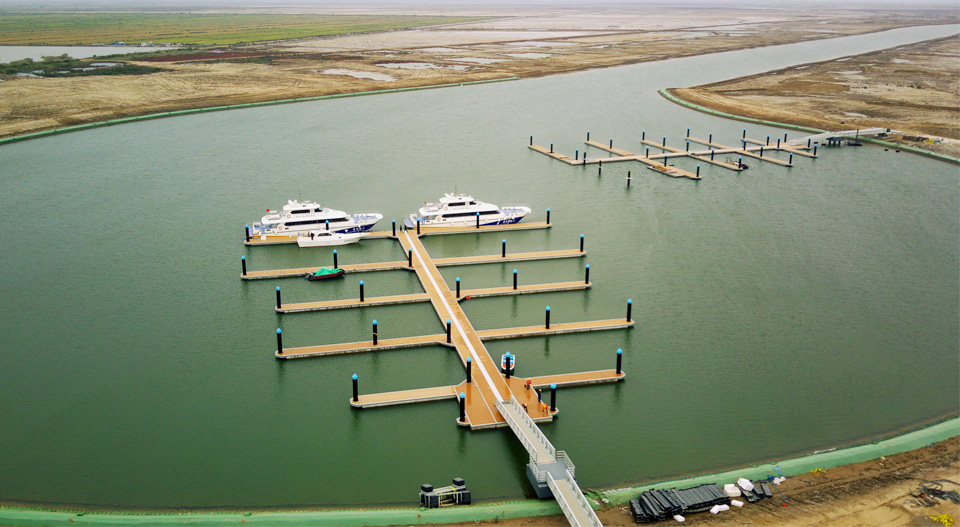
(278, 297)
(548, 216)
(463, 407)
(808, 143)
(450, 338)
(335, 259)
(553, 397)
(361, 290)
(374, 332)
(588, 135)
(710, 138)
(243, 265)
(698, 170)
(514, 279)
(629, 177)
(418, 226)
(740, 162)
(531, 140)
(619, 361)
(551, 148)
(711, 154)
(547, 323)
(279, 342)
(581, 243)
(576, 154)
(688, 132)
(503, 248)
(469, 370)
(784, 137)
(643, 135)
(611, 142)
(768, 140)
(744, 134)
(664, 140)
(356, 388)
(600, 167)
(629, 310)
(410, 258)
(688, 146)
(327, 223)
(815, 148)
(586, 274)
(761, 150)
(393, 227)
(458, 287)
(790, 161)
(508, 359)
(584, 156)
(648, 152)
(246, 232)
(778, 142)
(478, 220)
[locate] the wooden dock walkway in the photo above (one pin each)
(401, 265)
(441, 339)
(325, 305)
(433, 231)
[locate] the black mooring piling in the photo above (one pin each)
(664, 140)
(576, 155)
(551, 148)
(643, 136)
(688, 132)
(600, 168)
(629, 310)
(711, 154)
(450, 340)
(553, 397)
(374, 332)
(586, 274)
(581, 243)
(279, 342)
(418, 226)
(629, 177)
(361, 290)
(710, 139)
(478, 220)
(808, 143)
(514, 279)
(503, 248)
(698, 170)
(531, 140)
(740, 162)
(648, 152)
(243, 265)
(588, 135)
(547, 324)
(611, 142)
(768, 140)
(506, 364)
(761, 151)
(278, 297)
(463, 407)
(784, 136)
(815, 149)
(409, 257)
(458, 287)
(778, 142)
(791, 158)
(548, 216)
(356, 389)
(246, 232)
(327, 223)
(619, 361)
(744, 133)
(393, 224)
(335, 259)
(469, 369)
(688, 145)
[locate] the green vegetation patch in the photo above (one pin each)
(197, 29)
(64, 66)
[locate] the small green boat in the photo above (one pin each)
(323, 273)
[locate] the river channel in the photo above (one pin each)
(779, 311)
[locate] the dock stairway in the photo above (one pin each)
(550, 471)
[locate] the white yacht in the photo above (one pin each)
(327, 238)
(460, 210)
(303, 216)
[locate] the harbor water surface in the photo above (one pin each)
(779, 310)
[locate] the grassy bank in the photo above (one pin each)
(198, 29)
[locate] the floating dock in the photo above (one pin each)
(658, 162)
(433, 231)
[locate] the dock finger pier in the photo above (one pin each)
(490, 396)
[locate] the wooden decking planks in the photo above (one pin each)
(360, 347)
(325, 305)
(420, 395)
(302, 271)
(577, 379)
(555, 329)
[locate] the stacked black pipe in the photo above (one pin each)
(656, 504)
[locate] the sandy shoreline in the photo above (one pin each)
(533, 45)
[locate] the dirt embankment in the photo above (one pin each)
(913, 88)
(868, 494)
(534, 44)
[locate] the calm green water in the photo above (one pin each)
(779, 311)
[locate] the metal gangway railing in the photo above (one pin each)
(819, 138)
(572, 502)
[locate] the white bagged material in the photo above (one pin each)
(731, 491)
(745, 484)
(715, 509)
(736, 503)
(779, 480)
(724, 507)
(679, 518)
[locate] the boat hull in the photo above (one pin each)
(304, 240)
(314, 278)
